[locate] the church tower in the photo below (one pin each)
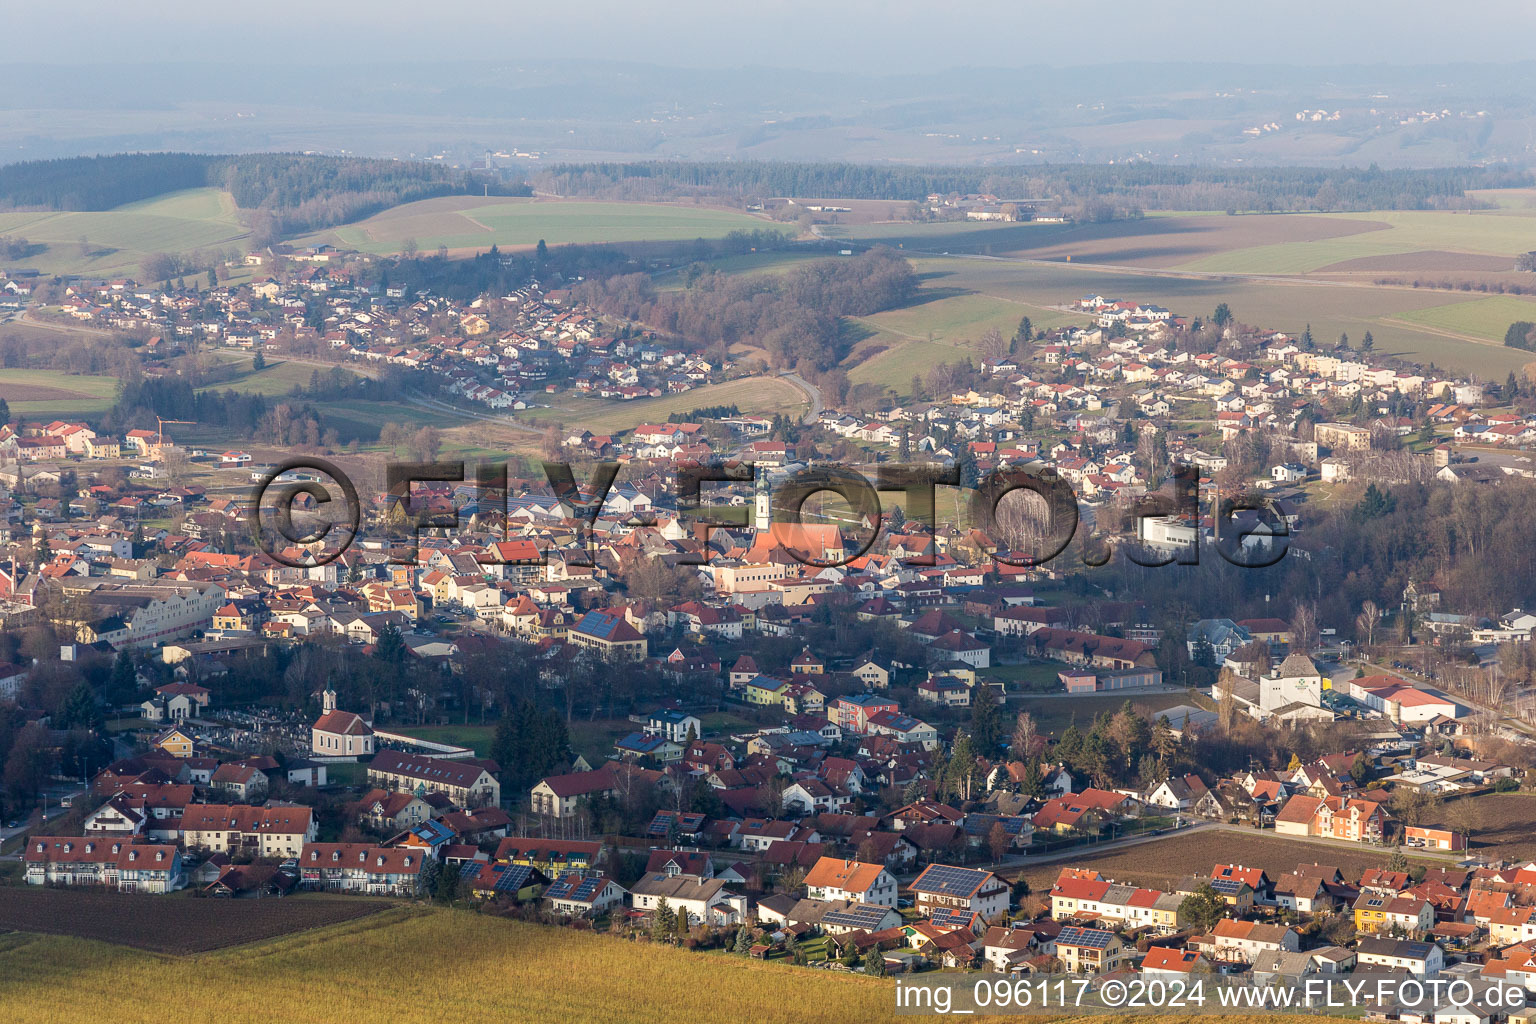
(762, 503)
(328, 700)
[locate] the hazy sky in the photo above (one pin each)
(853, 35)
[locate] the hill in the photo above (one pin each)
(284, 192)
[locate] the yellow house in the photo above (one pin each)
(102, 448)
(765, 690)
(174, 742)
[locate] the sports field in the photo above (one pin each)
(117, 241)
(49, 394)
(468, 224)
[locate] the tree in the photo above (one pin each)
(1203, 907)
(390, 647)
(427, 443)
(743, 939)
(850, 957)
(1222, 317)
(1367, 343)
(5, 411)
(986, 720)
(1026, 331)
(992, 346)
(874, 963)
(1024, 733)
(258, 362)
(998, 841)
(79, 708)
(1367, 621)
(663, 920)
(541, 252)
(1360, 769)
(1398, 861)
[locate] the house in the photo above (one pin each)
(1090, 950)
(392, 812)
(112, 863)
(466, 783)
(489, 881)
(608, 634)
(1008, 949)
(577, 894)
(833, 878)
(1379, 912)
(1421, 959)
(704, 900)
(360, 867)
(275, 832)
(1170, 963)
(240, 781)
(942, 887)
(1241, 941)
(554, 857)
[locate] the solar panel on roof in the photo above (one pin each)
(470, 869)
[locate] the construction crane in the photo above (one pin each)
(160, 432)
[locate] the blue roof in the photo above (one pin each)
(599, 624)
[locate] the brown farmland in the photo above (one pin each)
(1164, 862)
(178, 924)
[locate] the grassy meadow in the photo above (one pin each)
(469, 224)
(49, 394)
(117, 241)
(749, 394)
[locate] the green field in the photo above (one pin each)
(461, 224)
(48, 394)
(420, 965)
(1490, 233)
(278, 377)
(749, 394)
(1331, 309)
(476, 737)
(1484, 318)
(116, 241)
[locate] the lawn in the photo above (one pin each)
(460, 223)
(1484, 318)
(48, 394)
(413, 965)
(116, 241)
(476, 737)
(749, 394)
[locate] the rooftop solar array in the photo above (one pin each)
(946, 880)
(948, 916)
(1226, 886)
(502, 877)
(862, 915)
(581, 888)
(1092, 938)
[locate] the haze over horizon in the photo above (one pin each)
(861, 35)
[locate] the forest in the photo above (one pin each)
(286, 193)
(795, 316)
(1131, 185)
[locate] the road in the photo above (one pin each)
(812, 395)
(55, 810)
